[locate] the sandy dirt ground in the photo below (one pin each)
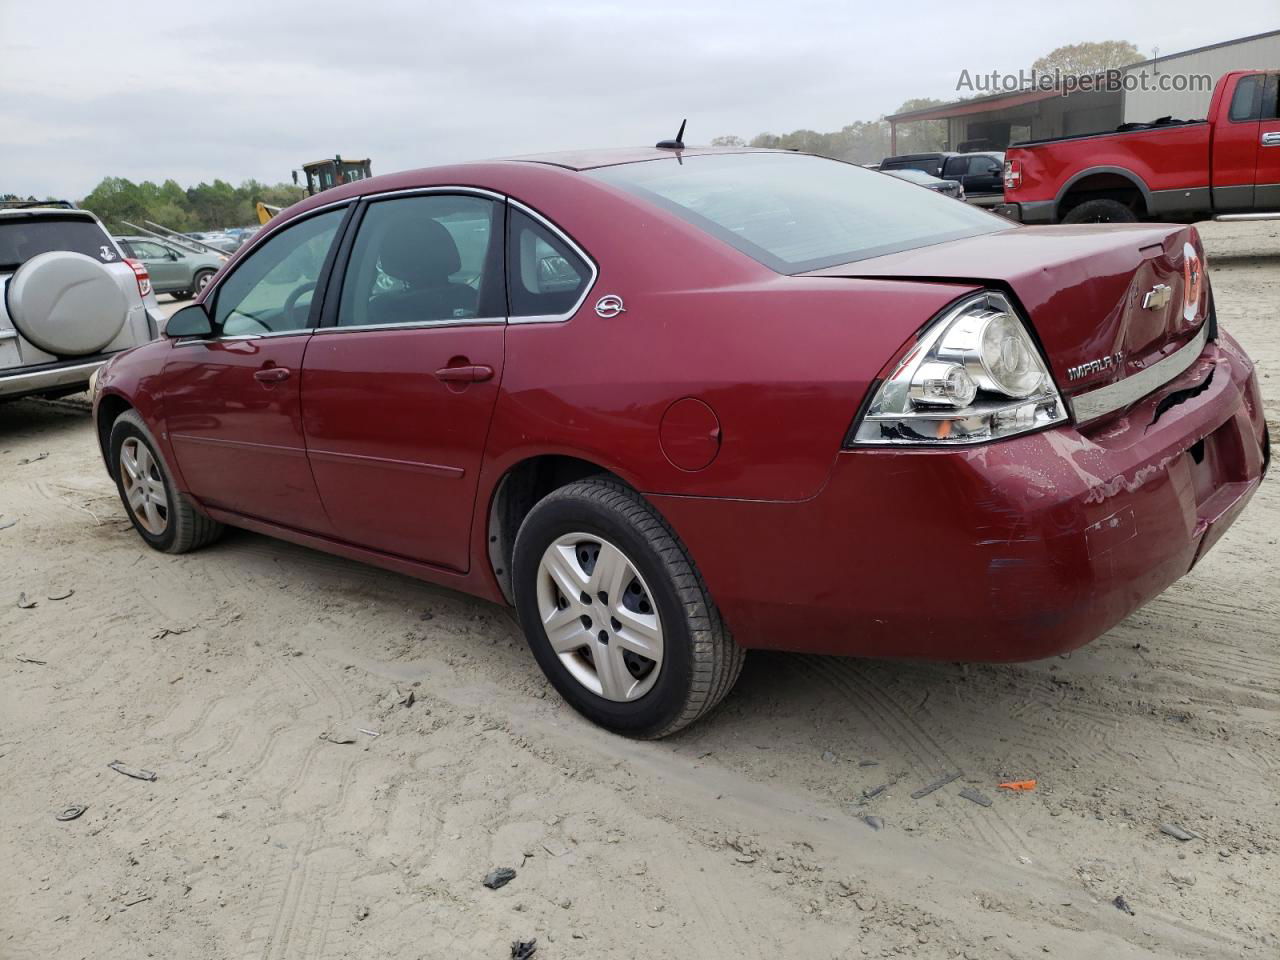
(744, 837)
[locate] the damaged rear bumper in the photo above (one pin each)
(1014, 550)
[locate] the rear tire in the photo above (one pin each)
(694, 661)
(163, 517)
(1100, 211)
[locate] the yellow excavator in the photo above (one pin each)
(322, 175)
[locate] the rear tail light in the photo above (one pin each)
(141, 275)
(1012, 174)
(974, 375)
(1193, 268)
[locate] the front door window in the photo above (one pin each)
(271, 291)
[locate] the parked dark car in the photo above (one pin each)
(930, 163)
(981, 175)
(948, 188)
(673, 404)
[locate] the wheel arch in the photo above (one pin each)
(1101, 182)
(516, 492)
(110, 406)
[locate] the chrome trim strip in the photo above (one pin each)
(245, 337)
(568, 241)
(1103, 400)
(410, 191)
(473, 191)
(418, 325)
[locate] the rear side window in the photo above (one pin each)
(1271, 98)
(955, 167)
(22, 238)
(545, 276)
(794, 212)
(425, 259)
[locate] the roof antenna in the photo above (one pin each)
(677, 143)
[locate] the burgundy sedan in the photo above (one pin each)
(674, 404)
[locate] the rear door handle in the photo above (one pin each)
(471, 373)
(1271, 139)
(271, 374)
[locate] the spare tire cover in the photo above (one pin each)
(66, 303)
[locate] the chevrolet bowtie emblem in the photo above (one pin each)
(1156, 297)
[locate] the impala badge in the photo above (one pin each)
(1109, 362)
(1157, 297)
(610, 305)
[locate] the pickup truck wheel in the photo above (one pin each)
(616, 614)
(1100, 211)
(163, 517)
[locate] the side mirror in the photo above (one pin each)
(173, 254)
(190, 321)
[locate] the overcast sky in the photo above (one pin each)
(238, 89)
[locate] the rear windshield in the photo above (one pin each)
(794, 212)
(930, 165)
(22, 238)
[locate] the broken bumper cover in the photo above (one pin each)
(1013, 550)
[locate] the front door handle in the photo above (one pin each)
(469, 373)
(271, 374)
(1271, 139)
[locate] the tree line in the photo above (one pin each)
(207, 206)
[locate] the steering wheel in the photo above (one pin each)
(291, 304)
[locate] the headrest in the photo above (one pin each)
(419, 251)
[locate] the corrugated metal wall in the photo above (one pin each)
(1143, 105)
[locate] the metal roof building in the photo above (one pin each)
(1178, 85)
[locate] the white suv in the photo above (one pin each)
(68, 299)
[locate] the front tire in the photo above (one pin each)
(200, 281)
(1100, 211)
(616, 614)
(163, 517)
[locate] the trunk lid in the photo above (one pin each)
(1084, 288)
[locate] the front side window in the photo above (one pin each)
(425, 259)
(794, 212)
(546, 277)
(146, 250)
(1245, 102)
(984, 167)
(270, 291)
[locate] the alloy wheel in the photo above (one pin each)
(144, 486)
(599, 617)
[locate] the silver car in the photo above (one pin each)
(69, 298)
(175, 271)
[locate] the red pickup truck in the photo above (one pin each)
(1181, 171)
